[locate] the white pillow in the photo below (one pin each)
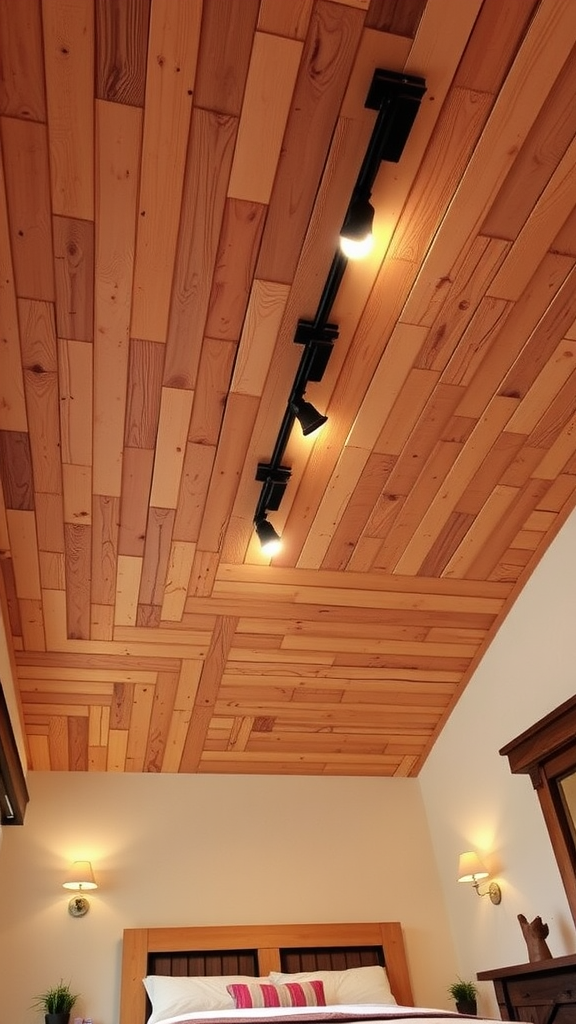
(355, 985)
(172, 996)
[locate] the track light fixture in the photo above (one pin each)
(308, 416)
(397, 98)
(270, 541)
(356, 238)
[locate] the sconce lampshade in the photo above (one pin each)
(470, 867)
(81, 876)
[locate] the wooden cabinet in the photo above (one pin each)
(543, 992)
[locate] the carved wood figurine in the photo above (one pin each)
(535, 933)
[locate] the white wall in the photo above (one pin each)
(472, 799)
(185, 850)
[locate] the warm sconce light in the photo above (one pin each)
(308, 416)
(270, 541)
(81, 878)
(471, 869)
(356, 238)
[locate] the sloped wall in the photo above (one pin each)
(474, 802)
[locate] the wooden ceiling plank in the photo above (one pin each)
(39, 355)
(121, 50)
(361, 645)
(156, 556)
(486, 326)
(145, 373)
(39, 752)
(50, 521)
(52, 569)
(237, 428)
(116, 750)
(557, 455)
(389, 16)
(154, 733)
(543, 291)
(481, 531)
(539, 231)
(76, 388)
(225, 45)
(177, 579)
(240, 235)
(509, 525)
(460, 124)
(58, 743)
(274, 65)
(128, 575)
(12, 403)
(447, 541)
(263, 318)
(295, 583)
(551, 134)
(457, 479)
(77, 549)
(203, 573)
(68, 35)
(285, 19)
(196, 474)
(208, 162)
(27, 182)
(74, 277)
(543, 340)
(546, 45)
(343, 483)
(211, 393)
(172, 53)
(32, 622)
(329, 51)
(137, 468)
(175, 740)
(23, 545)
(493, 470)
(22, 87)
(175, 410)
(16, 469)
(77, 494)
(344, 541)
(118, 142)
(397, 533)
(105, 519)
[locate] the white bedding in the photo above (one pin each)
(341, 1013)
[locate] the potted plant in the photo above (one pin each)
(464, 995)
(56, 1003)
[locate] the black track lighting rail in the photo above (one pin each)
(397, 98)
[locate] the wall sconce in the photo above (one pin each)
(471, 869)
(81, 878)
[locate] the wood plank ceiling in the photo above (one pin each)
(174, 175)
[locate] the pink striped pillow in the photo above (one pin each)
(294, 993)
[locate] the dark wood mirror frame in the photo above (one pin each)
(547, 753)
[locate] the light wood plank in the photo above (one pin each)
(172, 53)
(175, 409)
(128, 576)
(271, 78)
(69, 66)
(75, 379)
(263, 318)
(177, 579)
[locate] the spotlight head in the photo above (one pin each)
(308, 416)
(356, 239)
(270, 541)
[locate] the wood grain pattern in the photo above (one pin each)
(173, 178)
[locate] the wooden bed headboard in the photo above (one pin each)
(257, 950)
